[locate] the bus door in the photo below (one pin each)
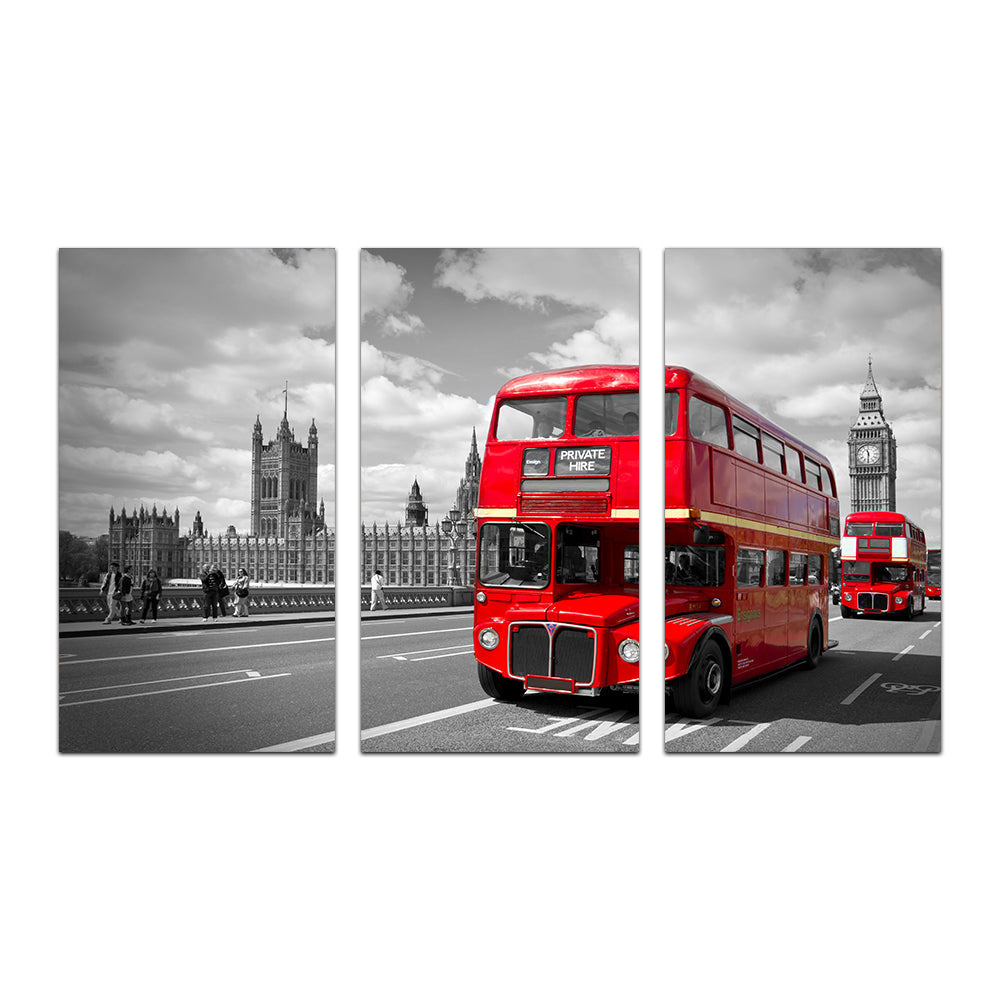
(748, 613)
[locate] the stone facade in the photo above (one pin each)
(871, 453)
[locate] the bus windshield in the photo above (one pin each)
(613, 414)
(528, 419)
(890, 574)
(855, 571)
(514, 555)
(934, 567)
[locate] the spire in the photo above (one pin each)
(870, 390)
(312, 429)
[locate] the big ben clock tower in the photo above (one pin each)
(871, 451)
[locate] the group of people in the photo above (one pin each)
(119, 591)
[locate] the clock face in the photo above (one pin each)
(868, 454)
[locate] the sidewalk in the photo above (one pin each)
(68, 630)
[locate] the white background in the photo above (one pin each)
(522, 124)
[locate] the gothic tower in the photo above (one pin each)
(467, 496)
(416, 509)
(871, 453)
(283, 481)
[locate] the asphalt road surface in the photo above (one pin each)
(878, 691)
(231, 690)
(419, 692)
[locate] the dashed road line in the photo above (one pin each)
(162, 680)
(402, 635)
(797, 744)
(204, 649)
(423, 720)
(437, 649)
(741, 741)
(927, 633)
(901, 654)
(852, 697)
(685, 726)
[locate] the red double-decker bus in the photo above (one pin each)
(883, 565)
(751, 516)
(934, 574)
(557, 567)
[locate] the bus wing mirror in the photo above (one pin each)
(700, 534)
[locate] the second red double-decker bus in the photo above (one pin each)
(934, 574)
(557, 568)
(751, 518)
(883, 565)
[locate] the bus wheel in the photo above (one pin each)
(815, 649)
(499, 687)
(697, 693)
(847, 612)
(909, 610)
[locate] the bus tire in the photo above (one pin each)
(697, 693)
(847, 612)
(910, 614)
(815, 648)
(499, 687)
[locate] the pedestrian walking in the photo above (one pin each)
(210, 592)
(151, 588)
(241, 594)
(378, 590)
(110, 589)
(125, 589)
(221, 587)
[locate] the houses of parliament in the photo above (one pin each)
(289, 540)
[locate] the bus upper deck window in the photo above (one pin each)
(746, 439)
(611, 414)
(531, 419)
(827, 481)
(812, 474)
(889, 529)
(859, 528)
(707, 422)
(793, 463)
(774, 452)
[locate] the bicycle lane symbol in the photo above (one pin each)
(898, 687)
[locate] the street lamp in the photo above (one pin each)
(449, 523)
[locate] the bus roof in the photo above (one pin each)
(587, 378)
(880, 515)
(677, 378)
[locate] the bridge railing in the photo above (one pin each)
(83, 604)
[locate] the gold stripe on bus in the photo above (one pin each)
(673, 513)
(496, 512)
(745, 522)
(625, 512)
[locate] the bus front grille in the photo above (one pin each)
(569, 652)
(873, 602)
(529, 650)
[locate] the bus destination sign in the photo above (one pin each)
(587, 461)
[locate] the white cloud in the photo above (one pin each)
(385, 294)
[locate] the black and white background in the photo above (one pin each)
(527, 124)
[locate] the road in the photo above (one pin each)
(878, 691)
(419, 692)
(231, 690)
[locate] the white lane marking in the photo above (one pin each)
(303, 744)
(401, 635)
(797, 744)
(930, 729)
(436, 649)
(901, 654)
(632, 741)
(682, 728)
(860, 690)
(439, 656)
(162, 680)
(742, 741)
(555, 721)
(252, 673)
(604, 727)
(927, 633)
(839, 618)
(204, 649)
(320, 625)
(936, 625)
(63, 656)
(423, 720)
(190, 687)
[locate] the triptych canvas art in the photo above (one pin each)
(501, 494)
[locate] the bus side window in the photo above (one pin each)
(707, 422)
(775, 568)
(774, 452)
(812, 474)
(797, 569)
(793, 463)
(749, 567)
(827, 481)
(815, 568)
(746, 439)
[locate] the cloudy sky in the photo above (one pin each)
(790, 331)
(165, 359)
(442, 330)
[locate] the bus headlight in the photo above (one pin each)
(847, 597)
(628, 650)
(481, 597)
(900, 598)
(489, 639)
